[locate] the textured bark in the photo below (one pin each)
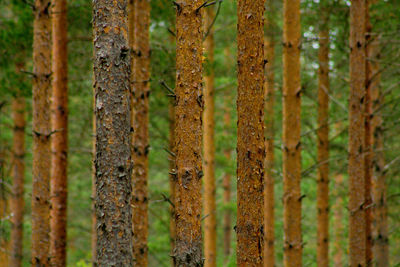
(250, 133)
(188, 133)
(94, 223)
(210, 223)
(227, 176)
(113, 134)
(59, 140)
(269, 84)
(338, 222)
(41, 133)
(379, 187)
(18, 175)
(368, 140)
(140, 90)
(291, 135)
(357, 222)
(323, 142)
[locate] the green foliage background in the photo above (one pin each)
(15, 46)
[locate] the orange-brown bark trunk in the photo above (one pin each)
(338, 222)
(250, 134)
(323, 142)
(172, 169)
(291, 135)
(140, 90)
(41, 133)
(18, 175)
(210, 223)
(188, 133)
(357, 221)
(269, 84)
(226, 183)
(59, 140)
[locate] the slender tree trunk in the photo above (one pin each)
(113, 134)
(41, 133)
(59, 141)
(227, 176)
(323, 141)
(140, 90)
(250, 134)
(368, 141)
(269, 84)
(379, 188)
(210, 223)
(357, 222)
(188, 133)
(18, 175)
(338, 222)
(291, 135)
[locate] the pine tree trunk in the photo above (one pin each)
(18, 175)
(188, 133)
(338, 222)
(323, 141)
(357, 222)
(368, 141)
(140, 90)
(226, 183)
(113, 134)
(269, 84)
(379, 188)
(210, 224)
(41, 133)
(59, 140)
(291, 135)
(94, 222)
(250, 134)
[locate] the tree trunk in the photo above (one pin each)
(188, 133)
(323, 141)
(210, 223)
(338, 221)
(227, 176)
(140, 90)
(269, 84)
(113, 134)
(250, 133)
(379, 187)
(59, 140)
(18, 175)
(357, 222)
(41, 133)
(94, 222)
(368, 141)
(291, 135)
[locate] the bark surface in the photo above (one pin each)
(189, 103)
(59, 140)
(210, 223)
(250, 133)
(356, 169)
(269, 84)
(338, 222)
(17, 203)
(172, 170)
(41, 124)
(113, 135)
(323, 142)
(140, 91)
(291, 134)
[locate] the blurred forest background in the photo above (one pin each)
(16, 19)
